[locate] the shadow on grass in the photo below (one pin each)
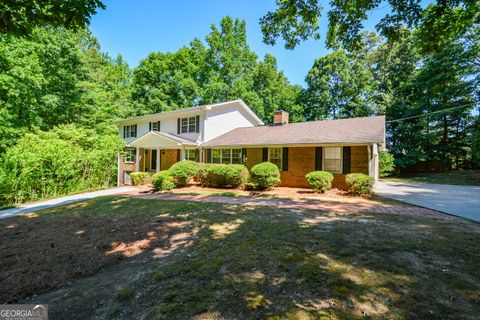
(215, 261)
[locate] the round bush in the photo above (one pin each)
(183, 171)
(226, 175)
(320, 181)
(201, 174)
(163, 180)
(265, 175)
(139, 178)
(359, 183)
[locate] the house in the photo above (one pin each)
(229, 132)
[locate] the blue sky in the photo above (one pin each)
(136, 28)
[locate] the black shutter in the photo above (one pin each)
(209, 155)
(178, 155)
(135, 131)
(149, 126)
(318, 158)
(244, 154)
(124, 132)
(197, 123)
(346, 159)
(285, 159)
(178, 126)
(158, 126)
(264, 154)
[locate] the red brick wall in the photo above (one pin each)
(125, 167)
(301, 160)
(168, 158)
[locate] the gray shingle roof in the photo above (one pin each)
(341, 131)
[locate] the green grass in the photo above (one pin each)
(239, 262)
(457, 177)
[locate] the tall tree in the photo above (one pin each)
(298, 20)
(20, 17)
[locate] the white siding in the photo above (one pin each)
(220, 120)
(168, 125)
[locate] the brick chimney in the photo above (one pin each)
(280, 118)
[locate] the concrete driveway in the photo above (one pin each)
(61, 201)
(461, 201)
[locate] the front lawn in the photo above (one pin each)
(128, 258)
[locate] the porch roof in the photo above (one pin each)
(155, 139)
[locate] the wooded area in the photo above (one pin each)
(59, 93)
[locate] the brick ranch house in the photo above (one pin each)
(229, 132)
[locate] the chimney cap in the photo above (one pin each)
(281, 111)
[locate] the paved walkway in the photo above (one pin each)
(63, 200)
(461, 201)
(295, 204)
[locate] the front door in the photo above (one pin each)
(153, 162)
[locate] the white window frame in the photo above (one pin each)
(130, 155)
(130, 131)
(324, 153)
(231, 157)
(155, 126)
(188, 125)
(281, 157)
(188, 152)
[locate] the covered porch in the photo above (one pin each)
(153, 152)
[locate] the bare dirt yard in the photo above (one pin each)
(131, 258)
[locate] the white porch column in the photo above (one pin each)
(158, 160)
(375, 161)
(370, 162)
(182, 154)
(137, 159)
(118, 168)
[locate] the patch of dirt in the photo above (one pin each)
(40, 253)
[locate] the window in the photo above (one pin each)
(227, 156)
(155, 126)
(189, 124)
(216, 156)
(130, 131)
(130, 155)
(237, 156)
(332, 159)
(184, 125)
(191, 154)
(275, 156)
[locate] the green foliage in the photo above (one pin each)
(359, 183)
(139, 178)
(64, 160)
(224, 69)
(183, 171)
(298, 20)
(20, 17)
(265, 175)
(226, 175)
(386, 163)
(163, 180)
(124, 293)
(320, 180)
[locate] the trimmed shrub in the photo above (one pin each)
(320, 181)
(201, 174)
(163, 180)
(139, 178)
(183, 171)
(359, 183)
(265, 175)
(226, 175)
(386, 163)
